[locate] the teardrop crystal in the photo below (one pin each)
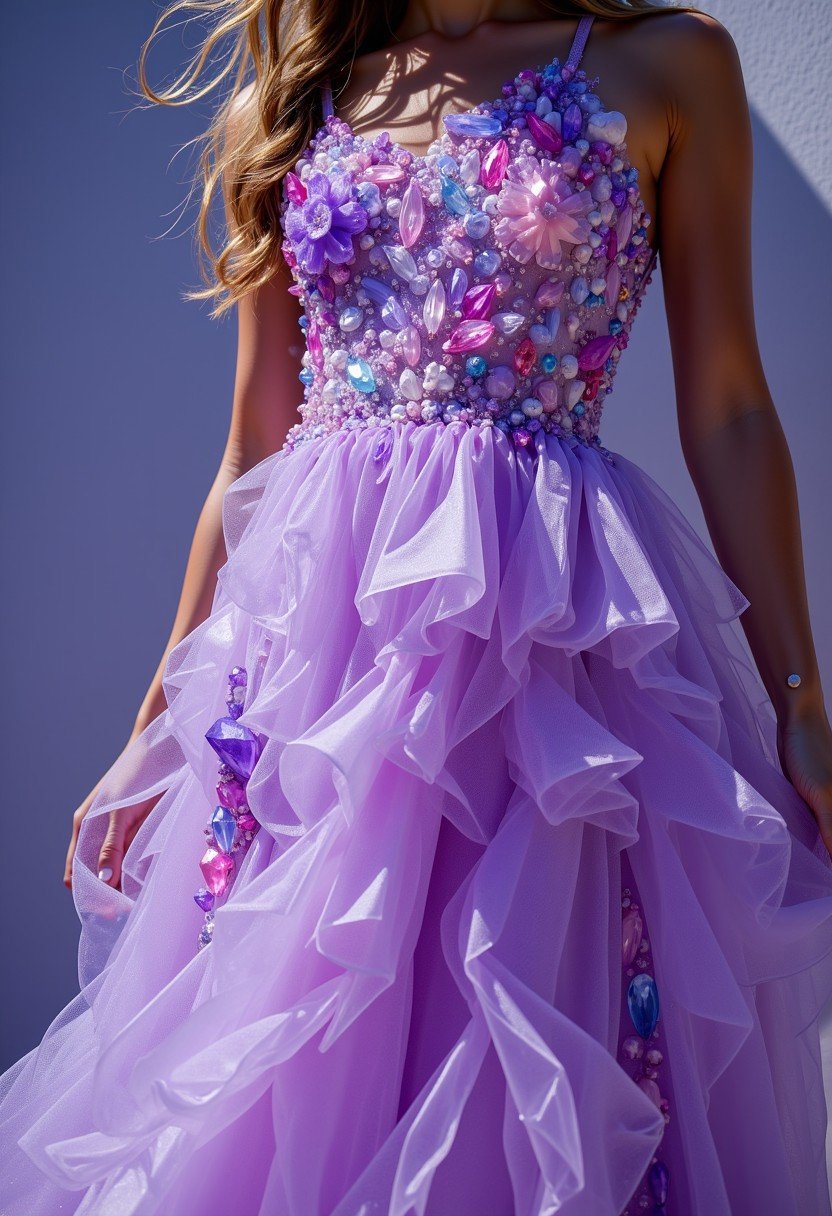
(643, 1004)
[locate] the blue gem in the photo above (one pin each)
(306, 376)
(592, 301)
(447, 164)
(487, 263)
(659, 1182)
(303, 322)
(224, 827)
(360, 375)
(476, 125)
(643, 1004)
(476, 366)
(578, 410)
(616, 327)
(453, 196)
(375, 289)
(549, 362)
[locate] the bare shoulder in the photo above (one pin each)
(689, 52)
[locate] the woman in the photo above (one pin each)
(486, 717)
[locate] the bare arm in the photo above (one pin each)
(731, 436)
(266, 393)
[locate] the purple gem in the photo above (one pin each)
(235, 744)
(246, 822)
(204, 899)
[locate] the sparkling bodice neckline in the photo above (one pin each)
(491, 279)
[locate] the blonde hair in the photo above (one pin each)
(268, 60)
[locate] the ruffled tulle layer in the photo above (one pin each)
(482, 678)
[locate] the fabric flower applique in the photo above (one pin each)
(540, 212)
(321, 220)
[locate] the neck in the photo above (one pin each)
(458, 18)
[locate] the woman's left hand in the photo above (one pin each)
(805, 747)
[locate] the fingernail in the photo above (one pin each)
(105, 873)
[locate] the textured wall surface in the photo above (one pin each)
(118, 393)
(786, 50)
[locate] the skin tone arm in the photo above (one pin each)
(266, 392)
(731, 436)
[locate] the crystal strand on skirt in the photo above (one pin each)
(232, 826)
(640, 1053)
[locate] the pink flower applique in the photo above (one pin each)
(540, 212)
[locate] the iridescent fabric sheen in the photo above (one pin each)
(510, 910)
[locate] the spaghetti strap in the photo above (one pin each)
(578, 44)
(327, 103)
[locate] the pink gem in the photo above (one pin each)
(649, 1087)
(295, 189)
(544, 136)
(478, 301)
(586, 174)
(596, 352)
(548, 293)
(231, 794)
(316, 349)
(246, 822)
(632, 927)
(494, 165)
(216, 870)
(469, 335)
(384, 175)
(525, 356)
(411, 215)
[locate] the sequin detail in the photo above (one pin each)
(491, 281)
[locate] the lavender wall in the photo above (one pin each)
(117, 398)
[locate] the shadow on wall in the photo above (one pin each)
(122, 395)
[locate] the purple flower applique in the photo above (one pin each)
(321, 226)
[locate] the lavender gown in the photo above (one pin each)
(487, 716)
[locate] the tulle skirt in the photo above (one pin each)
(498, 693)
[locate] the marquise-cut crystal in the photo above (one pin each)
(458, 287)
(433, 309)
(384, 175)
(468, 335)
(494, 165)
(411, 215)
(478, 301)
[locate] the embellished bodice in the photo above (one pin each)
(491, 281)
